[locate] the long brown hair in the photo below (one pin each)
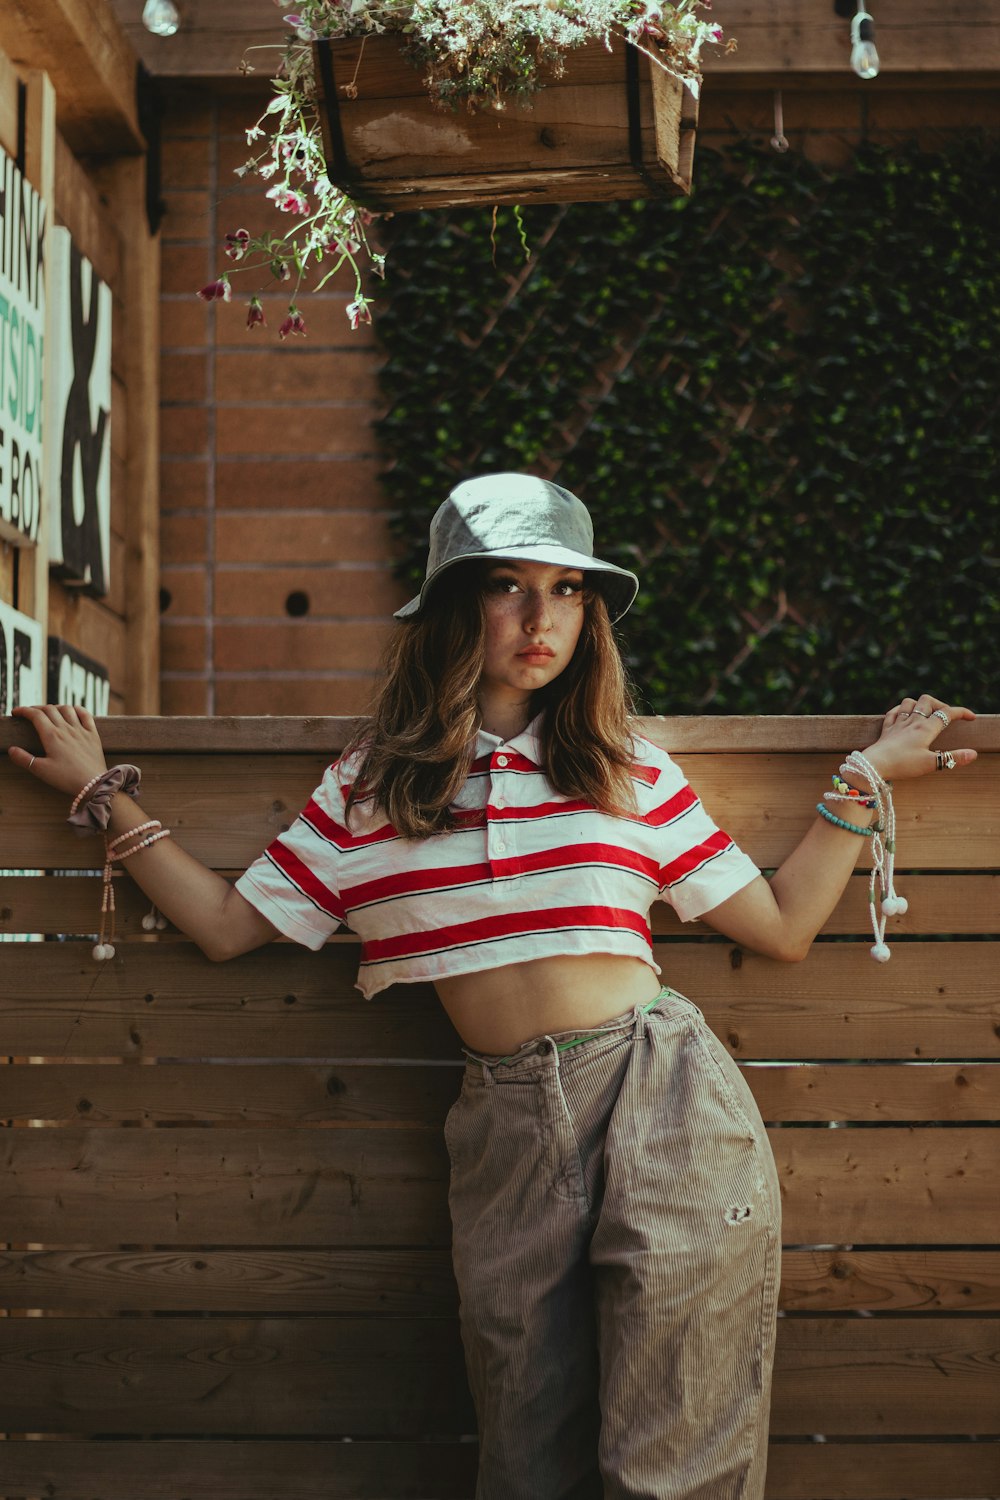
(416, 749)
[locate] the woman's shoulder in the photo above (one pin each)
(649, 756)
(341, 776)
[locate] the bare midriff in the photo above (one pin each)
(496, 1010)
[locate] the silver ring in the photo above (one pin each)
(939, 713)
(945, 760)
(921, 713)
(31, 762)
(904, 713)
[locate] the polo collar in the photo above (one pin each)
(527, 744)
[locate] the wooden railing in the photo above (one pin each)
(224, 1185)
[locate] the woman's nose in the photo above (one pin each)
(536, 610)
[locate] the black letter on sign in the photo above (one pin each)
(82, 543)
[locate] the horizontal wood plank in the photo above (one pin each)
(406, 1282)
(932, 1001)
(273, 1095)
(361, 1377)
(337, 1094)
(220, 1470)
(305, 1470)
(225, 808)
(785, 734)
(191, 1186)
(953, 903)
(883, 1471)
(224, 1187)
(414, 1282)
(888, 1377)
(890, 1280)
(226, 1376)
(908, 1091)
(170, 1001)
(790, 37)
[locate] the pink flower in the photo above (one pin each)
(288, 200)
(280, 270)
(255, 314)
(216, 291)
(716, 33)
(359, 312)
(237, 244)
(294, 323)
(302, 30)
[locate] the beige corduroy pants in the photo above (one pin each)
(616, 1242)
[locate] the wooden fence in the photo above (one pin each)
(223, 1187)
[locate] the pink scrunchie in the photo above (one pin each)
(92, 815)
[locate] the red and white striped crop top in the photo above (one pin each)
(528, 873)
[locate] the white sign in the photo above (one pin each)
(22, 322)
(77, 679)
(22, 651)
(78, 450)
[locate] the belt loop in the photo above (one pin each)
(484, 1067)
(640, 1023)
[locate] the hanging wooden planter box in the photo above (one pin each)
(615, 125)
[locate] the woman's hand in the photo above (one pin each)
(71, 753)
(905, 747)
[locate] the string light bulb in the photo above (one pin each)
(161, 17)
(864, 58)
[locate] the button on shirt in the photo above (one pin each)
(527, 873)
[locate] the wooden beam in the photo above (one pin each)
(790, 36)
(807, 36)
(91, 63)
(775, 734)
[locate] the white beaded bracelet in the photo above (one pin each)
(883, 852)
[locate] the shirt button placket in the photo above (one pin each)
(498, 837)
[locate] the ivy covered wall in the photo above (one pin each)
(779, 399)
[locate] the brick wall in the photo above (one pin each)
(276, 583)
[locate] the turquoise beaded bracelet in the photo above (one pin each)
(866, 833)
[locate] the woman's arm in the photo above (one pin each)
(195, 899)
(779, 918)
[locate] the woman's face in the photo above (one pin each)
(534, 615)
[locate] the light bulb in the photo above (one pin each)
(864, 58)
(160, 17)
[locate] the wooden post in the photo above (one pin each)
(125, 183)
(40, 170)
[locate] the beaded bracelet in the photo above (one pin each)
(866, 833)
(844, 792)
(104, 948)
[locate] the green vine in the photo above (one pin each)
(778, 398)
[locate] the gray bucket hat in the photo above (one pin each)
(519, 516)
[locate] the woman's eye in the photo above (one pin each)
(568, 588)
(502, 585)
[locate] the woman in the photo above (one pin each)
(499, 829)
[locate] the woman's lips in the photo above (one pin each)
(536, 653)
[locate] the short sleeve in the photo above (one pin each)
(700, 864)
(295, 882)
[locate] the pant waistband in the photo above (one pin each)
(564, 1041)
